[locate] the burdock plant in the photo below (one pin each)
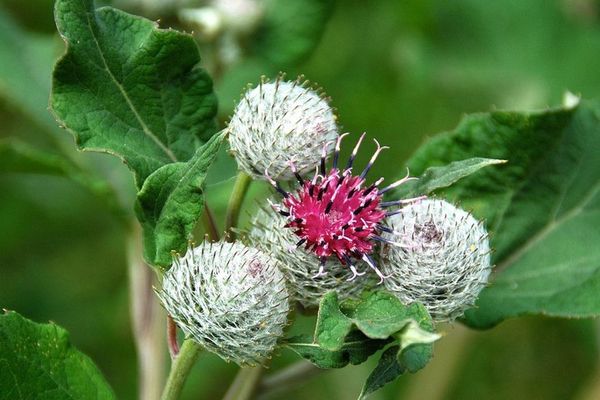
(382, 260)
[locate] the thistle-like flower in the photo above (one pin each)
(437, 255)
(298, 265)
(230, 298)
(336, 213)
(280, 121)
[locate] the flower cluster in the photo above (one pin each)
(328, 229)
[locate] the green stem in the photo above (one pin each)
(242, 183)
(180, 369)
(245, 384)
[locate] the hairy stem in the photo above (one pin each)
(245, 384)
(180, 369)
(242, 183)
(147, 319)
(210, 225)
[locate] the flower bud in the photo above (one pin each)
(438, 255)
(229, 298)
(278, 122)
(299, 266)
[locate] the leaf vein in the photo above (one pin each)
(132, 107)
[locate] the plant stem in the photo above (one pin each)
(242, 183)
(245, 384)
(180, 369)
(293, 374)
(147, 319)
(210, 225)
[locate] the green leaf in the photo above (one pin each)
(354, 330)
(25, 70)
(387, 370)
(169, 203)
(332, 325)
(355, 349)
(440, 177)
(290, 30)
(396, 361)
(38, 362)
(19, 157)
(127, 88)
(378, 315)
(543, 207)
(413, 351)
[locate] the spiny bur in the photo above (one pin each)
(230, 298)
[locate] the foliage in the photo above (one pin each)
(130, 89)
(542, 207)
(352, 331)
(170, 201)
(147, 100)
(54, 369)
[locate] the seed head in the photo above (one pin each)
(336, 213)
(230, 298)
(437, 255)
(268, 233)
(277, 122)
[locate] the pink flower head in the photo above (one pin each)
(337, 213)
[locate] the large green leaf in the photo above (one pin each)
(543, 207)
(38, 362)
(127, 88)
(169, 203)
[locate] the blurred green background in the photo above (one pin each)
(399, 70)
